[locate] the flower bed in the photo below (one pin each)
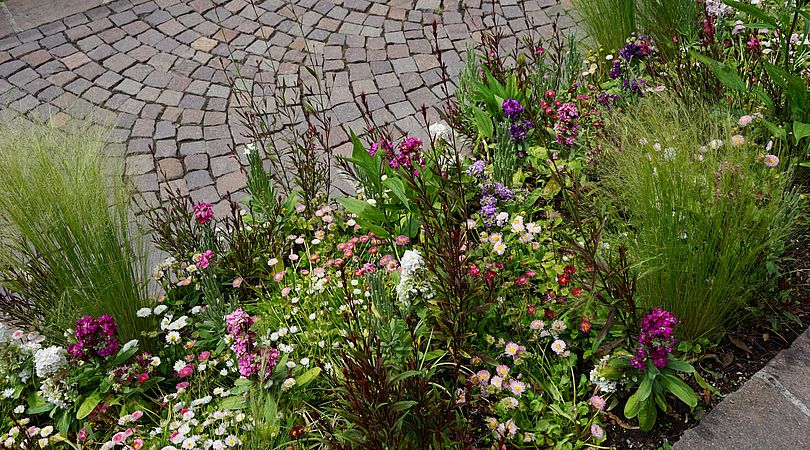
(555, 261)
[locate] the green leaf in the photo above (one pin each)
(63, 423)
(661, 401)
(233, 403)
(407, 374)
(647, 416)
(644, 389)
(679, 389)
(484, 123)
(307, 377)
(37, 405)
(363, 209)
(398, 188)
(777, 131)
(680, 366)
(800, 131)
(632, 407)
(752, 11)
(403, 405)
(724, 73)
(123, 356)
(88, 405)
(763, 97)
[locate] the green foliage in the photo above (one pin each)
(608, 22)
(662, 20)
(686, 193)
(69, 245)
(652, 391)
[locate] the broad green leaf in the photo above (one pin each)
(680, 366)
(679, 389)
(551, 188)
(644, 389)
(37, 405)
(647, 415)
(661, 401)
(724, 73)
(363, 209)
(484, 123)
(631, 408)
(88, 405)
(398, 188)
(123, 356)
(307, 377)
(63, 423)
(800, 131)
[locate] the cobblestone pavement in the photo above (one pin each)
(158, 69)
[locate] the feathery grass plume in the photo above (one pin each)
(69, 244)
(705, 218)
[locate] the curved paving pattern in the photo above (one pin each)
(158, 70)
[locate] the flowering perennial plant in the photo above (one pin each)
(95, 338)
(250, 359)
(656, 340)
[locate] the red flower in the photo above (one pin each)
(490, 277)
(563, 279)
(143, 378)
(520, 281)
(585, 324)
(576, 292)
(570, 270)
(550, 314)
(474, 270)
(532, 309)
(531, 273)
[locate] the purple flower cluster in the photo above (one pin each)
(476, 169)
(634, 51)
(94, 338)
(249, 358)
(518, 128)
(567, 127)
(518, 131)
(634, 85)
(609, 101)
(490, 194)
(408, 153)
(639, 48)
(656, 339)
(512, 109)
(385, 145)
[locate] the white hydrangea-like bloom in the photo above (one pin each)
(440, 132)
(413, 281)
(49, 360)
(411, 262)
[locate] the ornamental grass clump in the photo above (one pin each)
(706, 215)
(68, 245)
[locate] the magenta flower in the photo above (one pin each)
(656, 340)
(94, 338)
(203, 212)
(250, 359)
